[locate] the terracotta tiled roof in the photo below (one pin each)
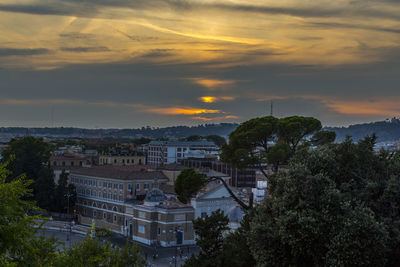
(118, 172)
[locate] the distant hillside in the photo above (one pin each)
(222, 129)
(386, 131)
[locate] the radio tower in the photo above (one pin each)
(272, 108)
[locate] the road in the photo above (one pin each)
(164, 258)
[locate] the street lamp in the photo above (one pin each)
(68, 233)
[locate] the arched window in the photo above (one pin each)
(104, 207)
(94, 204)
(114, 208)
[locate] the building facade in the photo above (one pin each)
(129, 202)
(123, 160)
(167, 152)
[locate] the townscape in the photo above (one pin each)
(199, 133)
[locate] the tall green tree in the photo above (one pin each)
(93, 253)
(30, 156)
(65, 194)
(210, 238)
(20, 241)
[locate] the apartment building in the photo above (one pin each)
(129, 202)
(167, 152)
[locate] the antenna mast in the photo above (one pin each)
(272, 108)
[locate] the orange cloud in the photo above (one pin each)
(183, 111)
(213, 84)
(208, 99)
(215, 118)
(381, 107)
(212, 99)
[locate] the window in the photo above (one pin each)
(121, 186)
(146, 186)
(129, 186)
(115, 217)
(104, 184)
(140, 161)
(120, 198)
(85, 181)
(90, 182)
(123, 161)
(104, 215)
(109, 185)
(115, 161)
(72, 163)
(115, 196)
(80, 163)
(179, 149)
(141, 228)
(179, 155)
(63, 163)
(137, 186)
(81, 181)
(54, 163)
(142, 214)
(179, 217)
(109, 195)
(95, 182)
(104, 194)
(115, 186)
(127, 161)
(159, 231)
(94, 193)
(99, 194)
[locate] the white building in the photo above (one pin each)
(217, 198)
(260, 191)
(166, 152)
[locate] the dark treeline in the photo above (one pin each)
(388, 130)
(222, 129)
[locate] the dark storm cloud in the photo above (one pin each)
(328, 25)
(22, 51)
(81, 49)
(54, 8)
(90, 8)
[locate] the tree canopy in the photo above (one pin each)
(188, 183)
(30, 156)
(259, 141)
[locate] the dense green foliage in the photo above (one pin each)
(63, 189)
(188, 183)
(210, 239)
(30, 156)
(334, 205)
(331, 205)
(90, 253)
(219, 246)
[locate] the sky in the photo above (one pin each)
(134, 63)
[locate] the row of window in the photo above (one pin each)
(94, 183)
(128, 161)
(104, 195)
